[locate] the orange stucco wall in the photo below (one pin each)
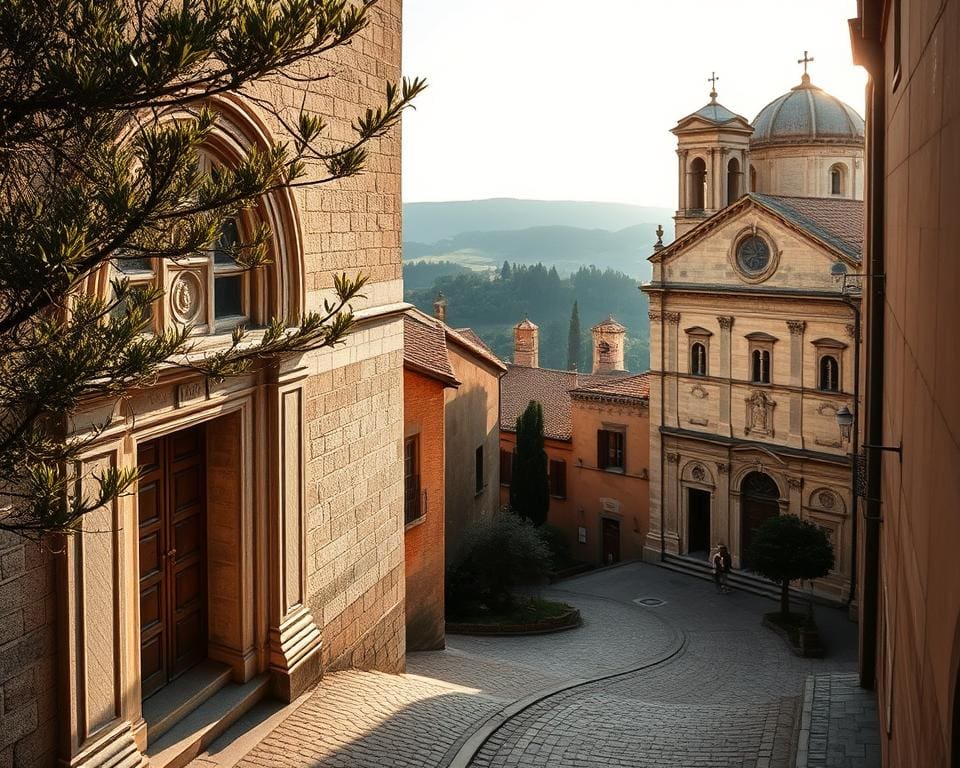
(423, 409)
(594, 494)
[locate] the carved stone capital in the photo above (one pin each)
(726, 322)
(723, 469)
(796, 327)
(654, 316)
(795, 482)
(851, 330)
(673, 458)
(672, 317)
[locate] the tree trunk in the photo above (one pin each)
(785, 598)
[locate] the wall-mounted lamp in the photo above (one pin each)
(845, 422)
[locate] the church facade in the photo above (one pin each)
(753, 330)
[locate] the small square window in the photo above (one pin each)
(228, 296)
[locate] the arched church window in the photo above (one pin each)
(698, 359)
(829, 374)
(836, 180)
(760, 373)
(698, 183)
(753, 179)
(733, 180)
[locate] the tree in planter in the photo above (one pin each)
(573, 340)
(529, 484)
(104, 114)
(786, 548)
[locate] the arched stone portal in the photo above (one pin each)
(760, 500)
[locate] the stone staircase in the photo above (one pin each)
(742, 581)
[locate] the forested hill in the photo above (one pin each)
(492, 303)
(431, 222)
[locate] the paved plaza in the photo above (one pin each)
(694, 681)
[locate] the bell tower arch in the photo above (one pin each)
(713, 148)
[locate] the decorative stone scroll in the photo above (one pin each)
(699, 392)
(673, 458)
(795, 482)
(723, 469)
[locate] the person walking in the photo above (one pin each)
(721, 567)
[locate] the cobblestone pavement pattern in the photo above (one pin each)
(729, 696)
(839, 726)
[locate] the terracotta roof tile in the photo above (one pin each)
(550, 388)
(633, 387)
(838, 222)
(474, 344)
(425, 347)
(471, 335)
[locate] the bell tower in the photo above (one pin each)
(713, 147)
(526, 344)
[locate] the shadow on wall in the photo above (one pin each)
(466, 431)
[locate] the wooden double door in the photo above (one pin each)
(173, 564)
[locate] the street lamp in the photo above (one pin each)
(845, 422)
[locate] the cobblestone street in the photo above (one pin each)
(693, 682)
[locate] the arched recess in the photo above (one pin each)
(698, 183)
(279, 288)
(759, 501)
(753, 179)
(733, 180)
(838, 180)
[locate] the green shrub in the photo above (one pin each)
(494, 558)
(558, 544)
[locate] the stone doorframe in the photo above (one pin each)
(695, 474)
(258, 620)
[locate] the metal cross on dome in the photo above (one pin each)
(807, 58)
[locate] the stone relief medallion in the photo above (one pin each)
(827, 409)
(698, 473)
(826, 500)
(698, 392)
(185, 297)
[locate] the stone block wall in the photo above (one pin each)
(27, 660)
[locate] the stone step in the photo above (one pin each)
(741, 580)
(199, 729)
(176, 700)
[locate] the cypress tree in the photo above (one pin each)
(573, 340)
(530, 486)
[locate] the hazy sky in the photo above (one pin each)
(574, 100)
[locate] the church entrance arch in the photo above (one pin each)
(759, 501)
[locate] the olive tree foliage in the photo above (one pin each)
(104, 110)
(785, 548)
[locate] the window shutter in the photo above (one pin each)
(559, 472)
(603, 448)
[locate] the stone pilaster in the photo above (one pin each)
(795, 437)
(294, 638)
(671, 329)
(721, 512)
(726, 325)
(671, 534)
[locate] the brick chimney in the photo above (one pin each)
(526, 344)
(440, 308)
(609, 339)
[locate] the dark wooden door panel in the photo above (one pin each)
(172, 516)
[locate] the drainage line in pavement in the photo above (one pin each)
(469, 748)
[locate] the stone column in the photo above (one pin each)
(726, 352)
(795, 495)
(720, 525)
(682, 155)
(671, 329)
(294, 638)
(671, 536)
(796, 327)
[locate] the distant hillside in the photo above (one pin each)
(564, 247)
(430, 222)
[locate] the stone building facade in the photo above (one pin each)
(753, 341)
(910, 611)
(264, 543)
(596, 436)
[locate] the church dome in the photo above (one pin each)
(807, 114)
